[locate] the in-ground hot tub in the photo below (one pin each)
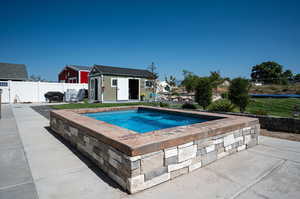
(140, 147)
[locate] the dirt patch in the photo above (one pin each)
(281, 135)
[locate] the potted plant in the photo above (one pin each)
(143, 95)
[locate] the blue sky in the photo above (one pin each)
(200, 36)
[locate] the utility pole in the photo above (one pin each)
(152, 68)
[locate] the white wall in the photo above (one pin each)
(33, 91)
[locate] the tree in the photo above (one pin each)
(286, 77)
(288, 74)
(215, 79)
(36, 78)
(190, 81)
(297, 77)
(267, 73)
(238, 93)
(154, 76)
(187, 73)
(203, 95)
(171, 81)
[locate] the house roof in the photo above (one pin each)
(111, 70)
(13, 71)
(76, 67)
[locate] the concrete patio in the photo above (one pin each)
(35, 163)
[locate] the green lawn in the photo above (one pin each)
(278, 107)
(99, 105)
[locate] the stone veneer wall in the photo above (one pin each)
(273, 123)
(141, 172)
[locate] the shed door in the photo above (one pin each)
(122, 89)
(96, 90)
(91, 91)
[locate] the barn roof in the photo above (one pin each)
(76, 67)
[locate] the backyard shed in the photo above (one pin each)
(115, 84)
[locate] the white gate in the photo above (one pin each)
(123, 91)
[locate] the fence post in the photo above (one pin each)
(9, 91)
(38, 92)
(0, 101)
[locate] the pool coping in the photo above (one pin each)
(133, 144)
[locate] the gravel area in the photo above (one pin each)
(281, 135)
(43, 110)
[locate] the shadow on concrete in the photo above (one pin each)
(86, 161)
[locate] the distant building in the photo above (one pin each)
(13, 72)
(257, 83)
(74, 74)
(163, 87)
(225, 83)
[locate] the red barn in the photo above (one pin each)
(74, 74)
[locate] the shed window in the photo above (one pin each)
(148, 83)
(4, 84)
(114, 82)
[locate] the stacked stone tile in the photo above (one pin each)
(275, 123)
(144, 171)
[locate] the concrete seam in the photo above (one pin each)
(279, 148)
(15, 185)
(272, 156)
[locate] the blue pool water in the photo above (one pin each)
(143, 121)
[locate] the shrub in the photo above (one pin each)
(296, 108)
(203, 94)
(224, 95)
(188, 106)
(285, 89)
(162, 104)
(259, 112)
(152, 103)
(175, 93)
(222, 105)
(274, 88)
(238, 93)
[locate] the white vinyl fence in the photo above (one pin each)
(13, 91)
